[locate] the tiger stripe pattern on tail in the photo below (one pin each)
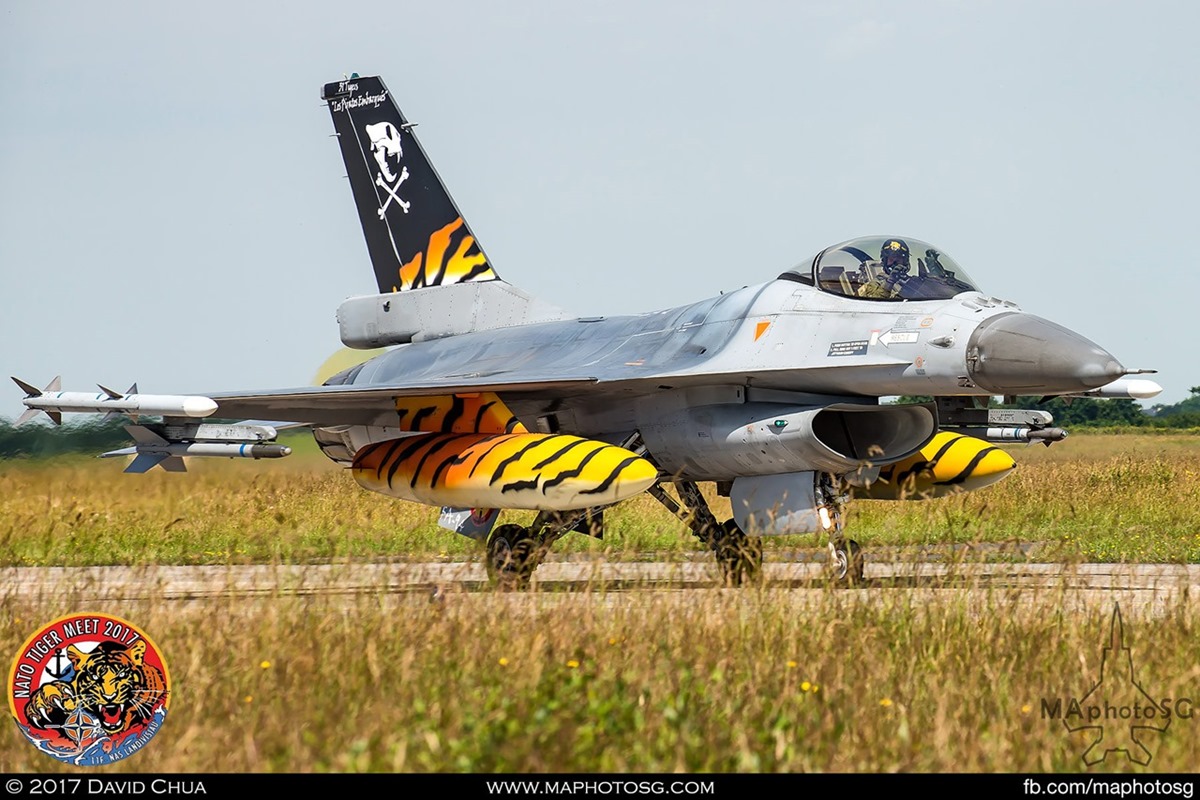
(438, 266)
(537, 471)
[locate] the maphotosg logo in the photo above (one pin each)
(89, 689)
(1117, 712)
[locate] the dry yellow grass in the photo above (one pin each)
(694, 681)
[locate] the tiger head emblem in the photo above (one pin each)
(112, 683)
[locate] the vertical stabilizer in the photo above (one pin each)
(415, 233)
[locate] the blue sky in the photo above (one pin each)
(173, 210)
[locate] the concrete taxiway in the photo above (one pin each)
(1139, 588)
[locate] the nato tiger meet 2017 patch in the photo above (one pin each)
(89, 689)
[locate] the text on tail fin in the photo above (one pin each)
(415, 234)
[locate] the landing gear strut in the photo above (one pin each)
(514, 551)
(845, 556)
(739, 556)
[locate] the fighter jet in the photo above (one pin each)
(487, 399)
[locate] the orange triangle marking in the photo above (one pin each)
(760, 329)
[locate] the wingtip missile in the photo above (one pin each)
(54, 402)
(1125, 388)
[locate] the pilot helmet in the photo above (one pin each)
(894, 253)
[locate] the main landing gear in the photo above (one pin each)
(739, 556)
(514, 551)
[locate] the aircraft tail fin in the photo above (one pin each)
(416, 236)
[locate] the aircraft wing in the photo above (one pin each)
(372, 404)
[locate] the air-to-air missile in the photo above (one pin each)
(154, 448)
(157, 444)
(55, 403)
(1125, 388)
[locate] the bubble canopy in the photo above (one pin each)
(885, 268)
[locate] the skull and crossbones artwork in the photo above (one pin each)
(385, 144)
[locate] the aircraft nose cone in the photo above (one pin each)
(1024, 354)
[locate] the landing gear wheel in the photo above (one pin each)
(510, 560)
(739, 556)
(846, 562)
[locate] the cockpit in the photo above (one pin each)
(884, 268)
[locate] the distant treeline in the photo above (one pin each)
(1086, 412)
(36, 440)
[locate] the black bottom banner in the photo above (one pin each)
(591, 785)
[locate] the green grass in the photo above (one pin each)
(1091, 498)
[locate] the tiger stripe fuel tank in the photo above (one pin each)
(950, 463)
(542, 471)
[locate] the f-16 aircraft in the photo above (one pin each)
(488, 399)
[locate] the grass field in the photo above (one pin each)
(1089, 498)
(702, 680)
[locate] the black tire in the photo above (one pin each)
(846, 563)
(738, 555)
(510, 556)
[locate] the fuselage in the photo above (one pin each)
(783, 336)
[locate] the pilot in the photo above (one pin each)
(883, 278)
